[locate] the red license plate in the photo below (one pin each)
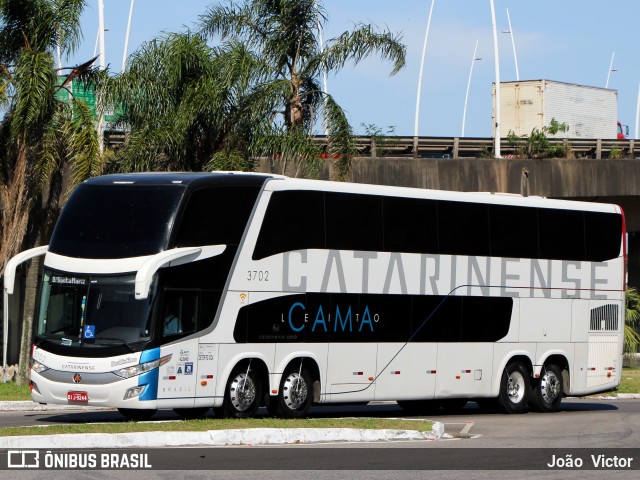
(77, 396)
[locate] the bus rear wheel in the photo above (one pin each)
(242, 394)
(547, 391)
(515, 388)
(295, 394)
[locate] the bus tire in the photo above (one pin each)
(296, 393)
(191, 413)
(547, 391)
(241, 395)
(515, 388)
(137, 414)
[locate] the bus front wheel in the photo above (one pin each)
(515, 388)
(242, 394)
(547, 390)
(296, 393)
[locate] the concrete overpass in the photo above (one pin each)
(593, 180)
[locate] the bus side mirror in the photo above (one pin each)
(176, 256)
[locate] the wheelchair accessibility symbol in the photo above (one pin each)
(89, 331)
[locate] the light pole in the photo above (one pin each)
(513, 44)
(424, 52)
(496, 59)
(637, 112)
(611, 69)
(126, 38)
(102, 62)
(474, 59)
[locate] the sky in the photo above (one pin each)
(564, 40)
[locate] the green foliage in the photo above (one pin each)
(631, 321)
(382, 141)
(536, 144)
(615, 153)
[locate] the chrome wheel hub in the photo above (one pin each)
(516, 387)
(242, 392)
(294, 391)
(550, 387)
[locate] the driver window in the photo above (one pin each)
(179, 313)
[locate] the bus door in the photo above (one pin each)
(177, 379)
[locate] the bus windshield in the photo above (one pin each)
(116, 221)
(92, 311)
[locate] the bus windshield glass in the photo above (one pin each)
(116, 221)
(92, 311)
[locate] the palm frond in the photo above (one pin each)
(362, 42)
(84, 148)
(34, 82)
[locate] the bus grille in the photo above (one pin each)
(604, 318)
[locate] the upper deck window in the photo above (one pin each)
(116, 221)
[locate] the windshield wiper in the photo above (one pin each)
(122, 342)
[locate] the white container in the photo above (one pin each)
(590, 112)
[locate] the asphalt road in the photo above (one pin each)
(580, 424)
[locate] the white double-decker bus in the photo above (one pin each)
(232, 291)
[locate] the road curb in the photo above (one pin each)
(29, 406)
(251, 436)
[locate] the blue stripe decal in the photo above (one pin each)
(150, 355)
(149, 378)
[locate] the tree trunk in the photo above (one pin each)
(29, 309)
(42, 220)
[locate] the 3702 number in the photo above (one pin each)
(258, 275)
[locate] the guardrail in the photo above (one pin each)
(454, 147)
(467, 147)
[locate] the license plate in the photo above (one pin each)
(77, 396)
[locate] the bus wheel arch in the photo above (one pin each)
(299, 388)
(242, 395)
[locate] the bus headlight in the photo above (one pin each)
(129, 372)
(37, 367)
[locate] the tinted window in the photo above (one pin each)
(561, 234)
(463, 228)
(603, 233)
(116, 221)
(514, 231)
(294, 221)
(410, 225)
(354, 222)
(340, 317)
(215, 216)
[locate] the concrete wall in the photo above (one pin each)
(559, 178)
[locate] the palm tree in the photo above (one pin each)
(39, 133)
(180, 101)
(284, 38)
